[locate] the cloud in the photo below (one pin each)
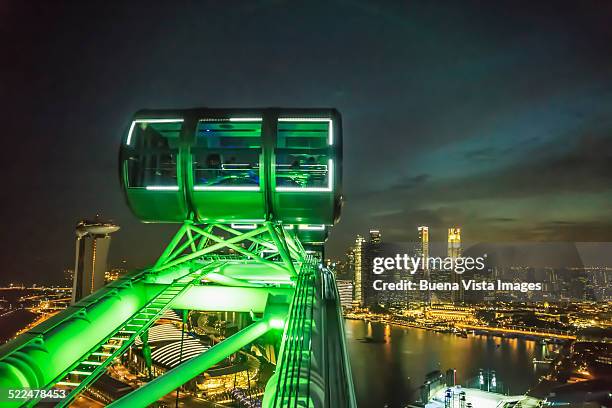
(548, 195)
(501, 219)
(486, 153)
(414, 181)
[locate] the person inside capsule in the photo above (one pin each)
(305, 170)
(232, 171)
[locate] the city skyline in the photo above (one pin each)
(587, 255)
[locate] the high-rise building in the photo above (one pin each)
(68, 277)
(375, 237)
(423, 245)
(454, 252)
(350, 264)
(358, 267)
(454, 242)
(422, 251)
(91, 259)
(371, 249)
(345, 291)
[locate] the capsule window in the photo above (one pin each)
(303, 154)
(227, 153)
(152, 154)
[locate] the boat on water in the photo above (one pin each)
(545, 361)
(458, 396)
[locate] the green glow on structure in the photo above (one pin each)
(162, 188)
(307, 227)
(223, 188)
(258, 181)
(271, 281)
(245, 119)
(129, 138)
(229, 299)
(244, 226)
(330, 182)
(277, 323)
(330, 129)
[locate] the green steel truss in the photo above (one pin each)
(267, 259)
(260, 244)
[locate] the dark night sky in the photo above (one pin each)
(496, 117)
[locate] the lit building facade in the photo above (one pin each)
(422, 251)
(91, 257)
(454, 252)
(372, 249)
(423, 245)
(345, 291)
(358, 267)
(69, 277)
(375, 237)
(113, 274)
(454, 242)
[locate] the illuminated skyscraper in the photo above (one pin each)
(423, 246)
(68, 277)
(375, 237)
(358, 260)
(454, 252)
(454, 242)
(422, 251)
(345, 291)
(371, 249)
(91, 263)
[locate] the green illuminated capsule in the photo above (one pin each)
(234, 166)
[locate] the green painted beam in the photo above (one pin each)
(228, 299)
(282, 249)
(38, 356)
(255, 272)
